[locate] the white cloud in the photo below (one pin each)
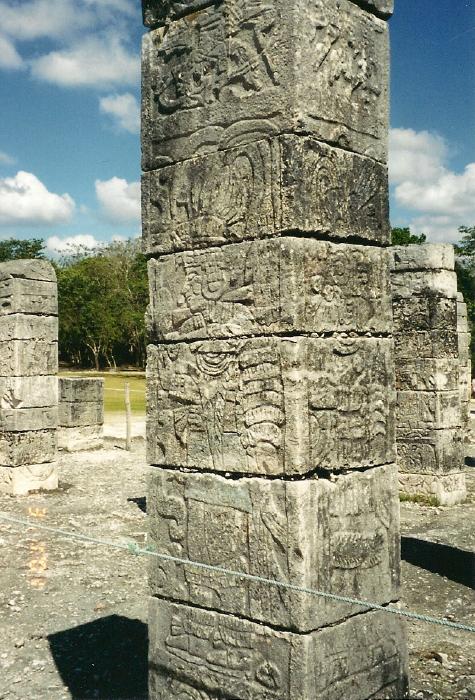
(6, 159)
(25, 200)
(120, 200)
(96, 61)
(72, 244)
(124, 109)
(9, 56)
(440, 199)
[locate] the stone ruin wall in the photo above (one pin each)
(464, 338)
(81, 413)
(28, 376)
(270, 377)
(431, 346)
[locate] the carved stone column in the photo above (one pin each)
(28, 376)
(464, 338)
(270, 374)
(430, 428)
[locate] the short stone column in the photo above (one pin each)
(270, 377)
(28, 376)
(81, 413)
(429, 411)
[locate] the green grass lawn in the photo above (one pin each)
(114, 383)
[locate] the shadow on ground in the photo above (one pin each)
(105, 659)
(458, 565)
(140, 502)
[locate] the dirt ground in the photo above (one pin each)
(73, 614)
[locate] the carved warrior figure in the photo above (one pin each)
(270, 373)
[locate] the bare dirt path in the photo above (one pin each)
(73, 615)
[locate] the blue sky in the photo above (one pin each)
(69, 144)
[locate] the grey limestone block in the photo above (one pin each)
(29, 327)
(429, 451)
(24, 419)
(279, 286)
(427, 374)
(463, 342)
(28, 392)
(28, 357)
(424, 313)
(426, 345)
(428, 409)
(262, 189)
(225, 656)
(19, 481)
(19, 295)
(431, 283)
(80, 413)
(306, 533)
(244, 70)
(30, 447)
(81, 389)
(39, 270)
(271, 406)
(430, 256)
(88, 437)
(448, 489)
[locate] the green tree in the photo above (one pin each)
(466, 246)
(465, 269)
(15, 248)
(403, 236)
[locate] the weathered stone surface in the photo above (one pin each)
(306, 533)
(28, 392)
(431, 256)
(23, 419)
(424, 314)
(223, 655)
(28, 357)
(279, 286)
(244, 70)
(271, 405)
(430, 451)
(464, 347)
(253, 192)
(29, 327)
(80, 413)
(427, 374)
(81, 389)
(40, 270)
(425, 283)
(27, 296)
(428, 409)
(19, 481)
(448, 489)
(80, 438)
(426, 344)
(31, 447)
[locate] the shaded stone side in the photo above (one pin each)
(429, 374)
(81, 413)
(464, 338)
(28, 381)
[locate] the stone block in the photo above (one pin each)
(305, 532)
(31, 447)
(225, 656)
(28, 296)
(28, 392)
(427, 374)
(464, 340)
(80, 438)
(281, 286)
(81, 389)
(262, 189)
(80, 413)
(29, 327)
(429, 451)
(271, 406)
(428, 409)
(426, 345)
(431, 256)
(30, 269)
(424, 314)
(442, 283)
(28, 357)
(19, 481)
(448, 490)
(24, 419)
(244, 70)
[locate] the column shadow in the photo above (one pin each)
(140, 502)
(456, 564)
(103, 659)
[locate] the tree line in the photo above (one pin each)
(103, 294)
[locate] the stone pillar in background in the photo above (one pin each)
(463, 336)
(28, 376)
(81, 413)
(270, 379)
(429, 415)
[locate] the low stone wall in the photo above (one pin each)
(81, 413)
